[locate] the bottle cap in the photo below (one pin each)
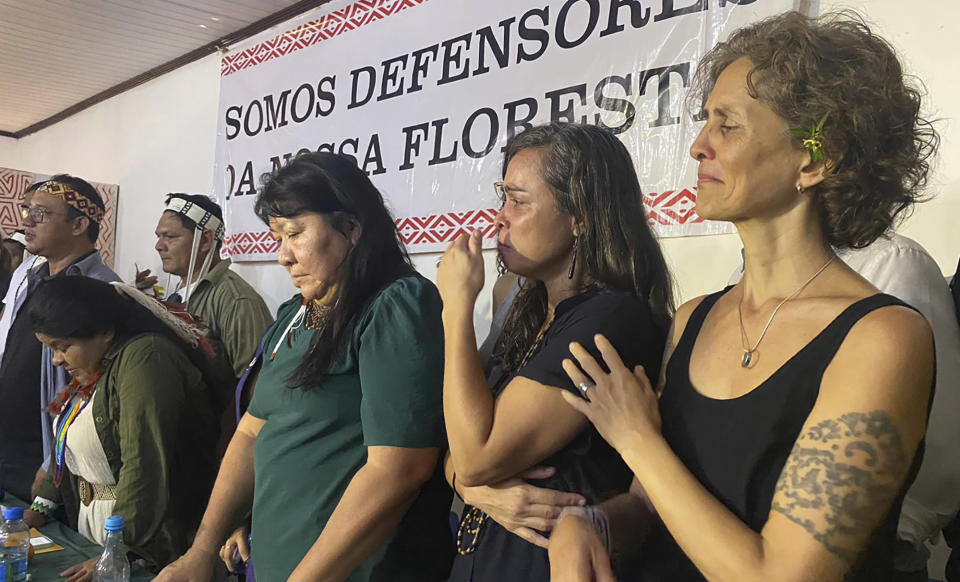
(13, 513)
(114, 523)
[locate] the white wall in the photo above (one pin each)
(159, 137)
(153, 139)
(9, 148)
(924, 35)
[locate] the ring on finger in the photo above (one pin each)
(584, 387)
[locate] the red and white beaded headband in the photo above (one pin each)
(74, 199)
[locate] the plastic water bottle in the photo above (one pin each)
(14, 546)
(113, 565)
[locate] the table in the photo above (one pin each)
(76, 548)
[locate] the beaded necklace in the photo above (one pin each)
(311, 315)
(65, 420)
(473, 517)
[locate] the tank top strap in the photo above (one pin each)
(690, 332)
(830, 339)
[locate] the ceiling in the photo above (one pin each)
(57, 55)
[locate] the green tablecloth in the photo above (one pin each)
(76, 548)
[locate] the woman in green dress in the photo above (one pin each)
(337, 455)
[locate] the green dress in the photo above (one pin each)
(385, 391)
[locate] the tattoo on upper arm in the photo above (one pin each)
(840, 479)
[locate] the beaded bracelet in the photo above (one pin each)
(42, 508)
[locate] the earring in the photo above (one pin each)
(573, 260)
(799, 189)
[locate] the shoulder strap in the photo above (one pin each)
(824, 347)
(692, 329)
(253, 366)
(837, 331)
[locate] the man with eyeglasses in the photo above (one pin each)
(61, 218)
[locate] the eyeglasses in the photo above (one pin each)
(501, 193)
(37, 214)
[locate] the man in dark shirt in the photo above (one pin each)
(62, 222)
(20, 433)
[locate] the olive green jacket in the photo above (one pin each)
(154, 416)
(233, 316)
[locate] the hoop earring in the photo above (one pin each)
(573, 260)
(799, 189)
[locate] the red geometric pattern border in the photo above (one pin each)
(670, 208)
(438, 228)
(441, 228)
(107, 240)
(13, 183)
(354, 16)
(250, 244)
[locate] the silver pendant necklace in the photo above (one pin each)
(748, 352)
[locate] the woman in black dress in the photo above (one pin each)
(572, 225)
(793, 404)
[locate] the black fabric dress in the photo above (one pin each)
(588, 465)
(21, 436)
(737, 447)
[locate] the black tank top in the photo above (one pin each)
(737, 447)
(586, 465)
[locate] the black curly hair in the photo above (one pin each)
(877, 145)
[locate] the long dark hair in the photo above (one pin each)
(81, 307)
(335, 187)
(592, 179)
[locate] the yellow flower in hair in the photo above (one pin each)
(812, 139)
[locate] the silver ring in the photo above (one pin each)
(583, 386)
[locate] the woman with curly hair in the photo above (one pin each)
(793, 405)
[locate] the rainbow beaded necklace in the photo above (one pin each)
(65, 420)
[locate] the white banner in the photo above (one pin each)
(424, 94)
